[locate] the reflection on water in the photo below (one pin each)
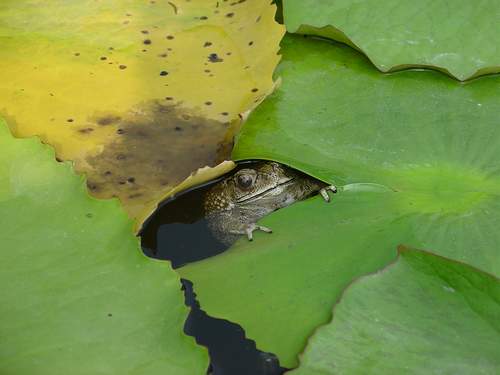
(178, 232)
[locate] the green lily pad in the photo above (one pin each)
(78, 295)
(424, 315)
(416, 156)
(459, 38)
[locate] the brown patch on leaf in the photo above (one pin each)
(108, 119)
(154, 144)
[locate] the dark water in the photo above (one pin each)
(178, 232)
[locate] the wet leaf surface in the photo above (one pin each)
(79, 296)
(424, 314)
(416, 156)
(120, 87)
(459, 37)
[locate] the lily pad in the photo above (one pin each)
(78, 295)
(415, 154)
(459, 38)
(137, 93)
(424, 315)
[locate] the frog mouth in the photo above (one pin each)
(282, 182)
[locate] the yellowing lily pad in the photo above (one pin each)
(78, 296)
(460, 38)
(138, 93)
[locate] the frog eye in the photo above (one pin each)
(245, 180)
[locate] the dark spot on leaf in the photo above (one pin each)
(120, 131)
(147, 41)
(145, 31)
(89, 215)
(207, 44)
(107, 173)
(108, 120)
(214, 58)
(224, 113)
(173, 6)
(229, 15)
(255, 89)
(86, 130)
(207, 70)
(169, 98)
(103, 58)
(77, 54)
(162, 55)
(170, 37)
(228, 53)
(109, 314)
(250, 43)
(70, 120)
(178, 128)
(131, 180)
(111, 48)
(123, 67)
(203, 18)
(208, 103)
(163, 73)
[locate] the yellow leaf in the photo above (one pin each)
(137, 93)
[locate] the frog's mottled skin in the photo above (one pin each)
(234, 205)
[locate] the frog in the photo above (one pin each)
(234, 205)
